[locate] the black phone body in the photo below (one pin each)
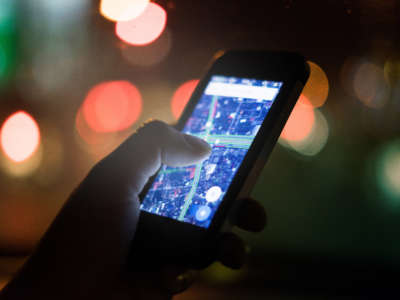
(240, 108)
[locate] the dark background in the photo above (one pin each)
(333, 218)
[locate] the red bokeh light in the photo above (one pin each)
(20, 136)
(112, 106)
(300, 122)
(145, 28)
(182, 96)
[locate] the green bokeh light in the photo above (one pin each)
(8, 39)
(388, 171)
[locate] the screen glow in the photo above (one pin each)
(228, 116)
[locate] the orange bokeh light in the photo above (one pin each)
(144, 29)
(316, 89)
(300, 122)
(182, 96)
(20, 136)
(112, 106)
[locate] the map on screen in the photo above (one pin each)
(228, 116)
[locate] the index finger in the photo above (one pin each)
(250, 215)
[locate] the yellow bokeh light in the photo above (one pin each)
(391, 71)
(122, 10)
(316, 89)
(25, 168)
(388, 171)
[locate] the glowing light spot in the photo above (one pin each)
(20, 136)
(391, 71)
(202, 213)
(112, 106)
(182, 96)
(24, 168)
(300, 122)
(213, 194)
(317, 87)
(315, 141)
(122, 10)
(97, 144)
(150, 54)
(144, 29)
(388, 171)
(370, 85)
(61, 13)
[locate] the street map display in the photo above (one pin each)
(228, 116)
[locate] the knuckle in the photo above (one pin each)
(154, 127)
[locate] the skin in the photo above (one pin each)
(83, 254)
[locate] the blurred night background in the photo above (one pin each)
(79, 76)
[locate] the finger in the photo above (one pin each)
(251, 215)
(231, 251)
(156, 143)
(176, 279)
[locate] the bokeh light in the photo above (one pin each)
(316, 89)
(217, 273)
(388, 171)
(53, 154)
(96, 144)
(60, 13)
(391, 70)
(370, 85)
(122, 10)
(20, 136)
(28, 167)
(149, 54)
(8, 39)
(315, 141)
(182, 96)
(300, 122)
(112, 106)
(144, 29)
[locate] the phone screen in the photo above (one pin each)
(228, 116)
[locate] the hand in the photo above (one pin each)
(84, 252)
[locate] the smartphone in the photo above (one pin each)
(239, 108)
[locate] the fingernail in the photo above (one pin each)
(197, 144)
(183, 282)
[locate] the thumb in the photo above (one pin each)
(155, 143)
